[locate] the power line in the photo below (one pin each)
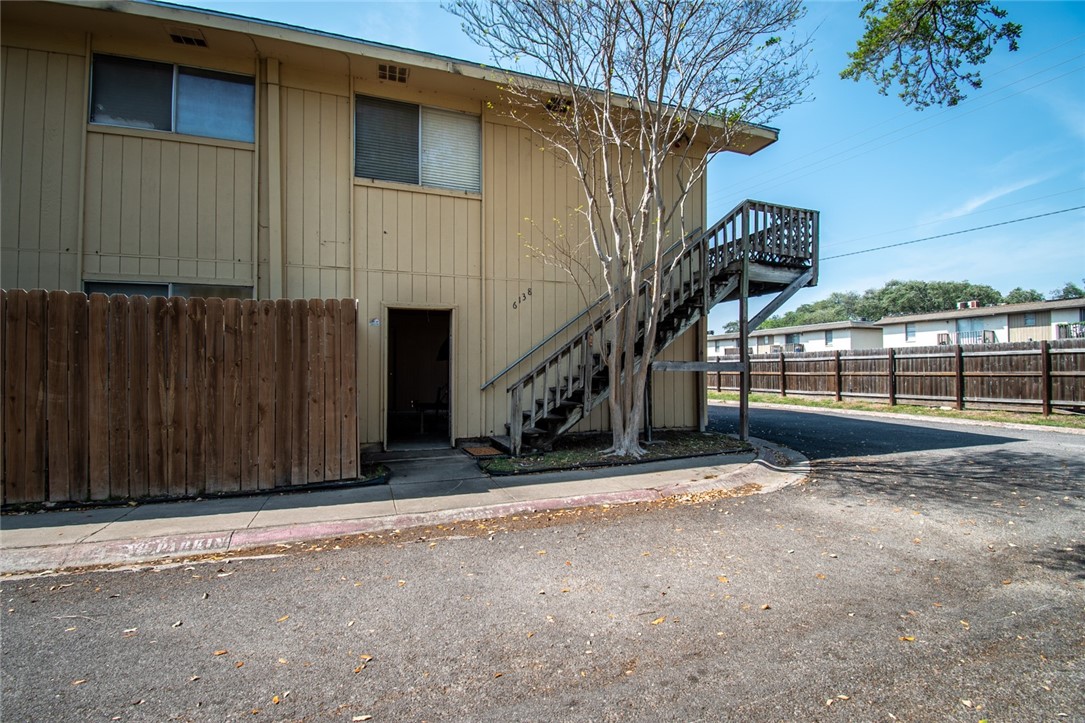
(952, 233)
(853, 240)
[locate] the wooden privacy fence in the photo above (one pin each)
(1032, 375)
(128, 397)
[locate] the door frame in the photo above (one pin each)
(386, 309)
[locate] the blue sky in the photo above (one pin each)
(879, 172)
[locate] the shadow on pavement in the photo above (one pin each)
(825, 436)
(1000, 481)
(1064, 559)
(240, 505)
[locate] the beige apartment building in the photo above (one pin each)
(157, 150)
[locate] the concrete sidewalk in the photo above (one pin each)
(425, 488)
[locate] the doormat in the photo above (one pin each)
(483, 452)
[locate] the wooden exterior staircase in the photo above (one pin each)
(776, 247)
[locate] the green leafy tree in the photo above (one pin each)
(1069, 290)
(923, 297)
(907, 297)
(929, 47)
(1022, 296)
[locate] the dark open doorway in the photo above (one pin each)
(418, 376)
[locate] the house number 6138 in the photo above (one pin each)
(519, 301)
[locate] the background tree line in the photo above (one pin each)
(907, 297)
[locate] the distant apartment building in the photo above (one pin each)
(836, 335)
(974, 324)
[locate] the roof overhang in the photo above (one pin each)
(279, 40)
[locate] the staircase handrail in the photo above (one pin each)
(589, 309)
(755, 230)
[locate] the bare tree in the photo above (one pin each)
(637, 97)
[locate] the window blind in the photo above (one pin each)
(386, 147)
(451, 148)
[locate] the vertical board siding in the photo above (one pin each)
(396, 230)
(316, 137)
(131, 398)
(1010, 376)
(534, 228)
(42, 98)
(159, 208)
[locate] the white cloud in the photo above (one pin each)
(982, 199)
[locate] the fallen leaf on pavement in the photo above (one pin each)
(657, 621)
(79, 682)
(907, 638)
(221, 652)
(722, 578)
(239, 664)
(283, 619)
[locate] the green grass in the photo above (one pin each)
(584, 451)
(1071, 421)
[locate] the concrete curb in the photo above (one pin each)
(774, 468)
(908, 417)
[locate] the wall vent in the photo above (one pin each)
(187, 36)
(394, 73)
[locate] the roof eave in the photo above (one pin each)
(750, 139)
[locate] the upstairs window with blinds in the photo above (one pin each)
(161, 96)
(407, 143)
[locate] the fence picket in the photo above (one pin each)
(274, 430)
(35, 395)
(315, 401)
(14, 396)
(176, 396)
(282, 391)
(251, 330)
(98, 402)
(138, 428)
(332, 393)
(299, 391)
(214, 399)
(56, 411)
(157, 412)
(232, 446)
(195, 394)
(348, 406)
(79, 403)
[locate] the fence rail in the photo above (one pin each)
(1026, 375)
(129, 397)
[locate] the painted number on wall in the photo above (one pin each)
(519, 300)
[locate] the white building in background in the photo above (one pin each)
(974, 324)
(831, 336)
